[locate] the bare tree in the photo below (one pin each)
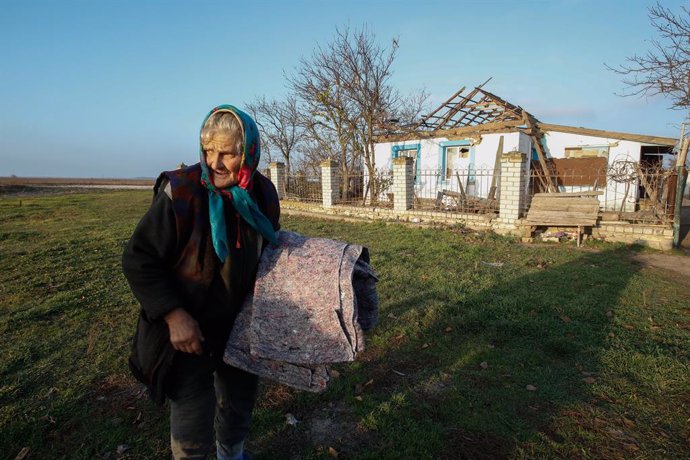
(346, 96)
(319, 83)
(311, 157)
(665, 68)
(279, 124)
(376, 101)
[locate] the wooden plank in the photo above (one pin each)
(440, 107)
(460, 105)
(552, 207)
(462, 190)
(452, 193)
(465, 131)
(570, 194)
(570, 215)
(551, 212)
(439, 200)
(574, 207)
(545, 168)
(557, 202)
(544, 221)
(564, 201)
(561, 203)
(567, 213)
(497, 169)
(536, 141)
(658, 140)
(566, 216)
(547, 210)
(577, 208)
(562, 221)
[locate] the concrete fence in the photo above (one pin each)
(511, 191)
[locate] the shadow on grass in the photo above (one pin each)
(451, 375)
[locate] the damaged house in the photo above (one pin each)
(456, 152)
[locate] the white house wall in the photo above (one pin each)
(619, 150)
(555, 143)
(485, 151)
(481, 162)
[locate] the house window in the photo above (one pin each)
(453, 158)
(410, 151)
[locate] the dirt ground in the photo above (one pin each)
(677, 264)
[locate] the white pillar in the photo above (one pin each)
(330, 182)
(514, 181)
(403, 183)
(278, 178)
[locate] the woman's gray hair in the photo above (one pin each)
(224, 122)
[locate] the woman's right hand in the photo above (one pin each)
(185, 334)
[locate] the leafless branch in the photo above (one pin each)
(665, 67)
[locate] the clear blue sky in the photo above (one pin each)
(118, 89)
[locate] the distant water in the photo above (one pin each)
(108, 186)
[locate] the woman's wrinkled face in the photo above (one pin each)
(223, 160)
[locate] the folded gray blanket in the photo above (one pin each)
(312, 299)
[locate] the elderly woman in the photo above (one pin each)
(191, 261)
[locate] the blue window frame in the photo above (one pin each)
(405, 150)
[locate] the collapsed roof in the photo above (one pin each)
(477, 107)
(479, 111)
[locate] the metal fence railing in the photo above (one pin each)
(628, 190)
(362, 189)
(303, 187)
(457, 191)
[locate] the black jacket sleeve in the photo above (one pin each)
(148, 258)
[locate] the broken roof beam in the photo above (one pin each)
(468, 99)
(484, 118)
(506, 105)
(438, 109)
(455, 133)
(502, 110)
(657, 140)
(458, 106)
(485, 115)
(536, 135)
(452, 109)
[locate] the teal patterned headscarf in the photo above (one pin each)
(238, 194)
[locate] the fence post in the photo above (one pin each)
(682, 176)
(278, 178)
(403, 183)
(514, 181)
(330, 182)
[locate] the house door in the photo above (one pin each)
(460, 167)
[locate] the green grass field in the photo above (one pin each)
(558, 353)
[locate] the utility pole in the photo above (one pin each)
(682, 176)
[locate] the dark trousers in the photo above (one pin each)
(208, 396)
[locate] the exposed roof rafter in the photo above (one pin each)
(479, 111)
(477, 107)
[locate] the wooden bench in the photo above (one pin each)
(574, 209)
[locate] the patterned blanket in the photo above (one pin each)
(312, 299)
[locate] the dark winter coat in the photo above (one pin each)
(170, 263)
